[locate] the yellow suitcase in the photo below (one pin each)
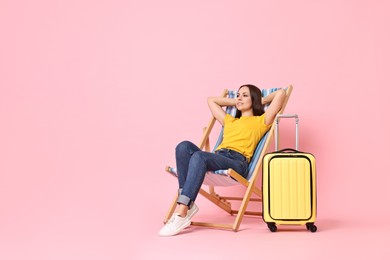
(289, 186)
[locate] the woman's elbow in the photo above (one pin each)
(281, 92)
(211, 100)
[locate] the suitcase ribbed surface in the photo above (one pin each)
(290, 188)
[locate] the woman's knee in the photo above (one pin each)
(199, 157)
(183, 146)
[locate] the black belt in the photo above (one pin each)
(232, 152)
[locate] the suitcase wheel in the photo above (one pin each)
(311, 227)
(272, 227)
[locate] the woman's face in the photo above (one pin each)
(243, 100)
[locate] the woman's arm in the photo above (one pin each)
(216, 104)
(276, 99)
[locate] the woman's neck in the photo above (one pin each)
(247, 113)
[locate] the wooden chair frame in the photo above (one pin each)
(251, 189)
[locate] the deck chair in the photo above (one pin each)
(228, 177)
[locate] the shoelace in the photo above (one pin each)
(172, 219)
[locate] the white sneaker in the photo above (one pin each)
(174, 225)
(192, 211)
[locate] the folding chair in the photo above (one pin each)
(228, 177)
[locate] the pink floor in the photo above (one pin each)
(125, 234)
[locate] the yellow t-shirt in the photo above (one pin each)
(243, 134)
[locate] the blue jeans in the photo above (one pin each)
(193, 163)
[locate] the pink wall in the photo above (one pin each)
(92, 91)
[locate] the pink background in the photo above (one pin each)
(95, 95)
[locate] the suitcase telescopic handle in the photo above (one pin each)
(278, 116)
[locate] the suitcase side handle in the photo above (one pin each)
(278, 116)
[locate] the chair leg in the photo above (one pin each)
(171, 209)
(243, 207)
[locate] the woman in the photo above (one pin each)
(240, 137)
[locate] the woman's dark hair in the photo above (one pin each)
(256, 96)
